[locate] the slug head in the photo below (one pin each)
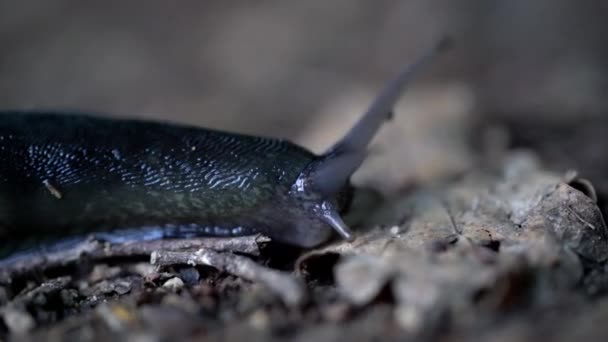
(323, 189)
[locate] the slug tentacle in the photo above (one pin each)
(325, 180)
(344, 157)
(331, 216)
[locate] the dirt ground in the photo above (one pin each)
(486, 219)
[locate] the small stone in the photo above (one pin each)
(174, 284)
(190, 275)
(102, 271)
(18, 322)
(68, 297)
(408, 318)
(108, 287)
(259, 320)
(144, 269)
(361, 278)
(122, 287)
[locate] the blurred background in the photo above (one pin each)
(522, 73)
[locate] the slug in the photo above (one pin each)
(65, 177)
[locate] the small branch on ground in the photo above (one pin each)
(95, 250)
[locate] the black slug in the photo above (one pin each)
(65, 177)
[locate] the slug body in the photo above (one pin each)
(66, 177)
(146, 178)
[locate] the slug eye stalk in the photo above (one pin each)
(344, 157)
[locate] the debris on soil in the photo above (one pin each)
(93, 249)
(287, 287)
(521, 246)
(174, 284)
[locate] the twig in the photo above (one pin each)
(286, 286)
(96, 250)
